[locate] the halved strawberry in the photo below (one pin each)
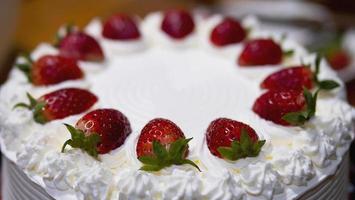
(294, 78)
(260, 52)
(232, 140)
(99, 131)
(120, 27)
(59, 104)
(50, 69)
(80, 46)
(162, 144)
(229, 31)
(178, 23)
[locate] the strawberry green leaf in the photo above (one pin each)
(299, 118)
(317, 64)
(245, 142)
(148, 160)
(68, 28)
(80, 140)
(227, 152)
(328, 84)
(36, 107)
(160, 151)
(322, 84)
(289, 53)
(151, 168)
(242, 149)
(26, 66)
(295, 118)
(190, 162)
(163, 157)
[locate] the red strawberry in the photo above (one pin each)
(294, 78)
(59, 104)
(99, 131)
(338, 60)
(275, 104)
(50, 69)
(229, 31)
(177, 23)
(80, 46)
(120, 27)
(162, 144)
(232, 140)
(260, 52)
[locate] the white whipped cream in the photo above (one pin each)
(191, 82)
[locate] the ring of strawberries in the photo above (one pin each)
(161, 142)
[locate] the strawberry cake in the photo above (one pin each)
(174, 106)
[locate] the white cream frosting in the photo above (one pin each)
(296, 169)
(192, 83)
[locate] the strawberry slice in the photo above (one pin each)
(178, 24)
(120, 27)
(162, 144)
(232, 140)
(99, 131)
(80, 46)
(260, 52)
(229, 31)
(50, 69)
(59, 104)
(294, 78)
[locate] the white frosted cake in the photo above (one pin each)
(268, 120)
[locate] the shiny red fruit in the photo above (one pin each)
(120, 27)
(80, 46)
(51, 69)
(160, 130)
(260, 52)
(229, 31)
(338, 60)
(66, 102)
(294, 78)
(178, 23)
(274, 104)
(222, 132)
(111, 125)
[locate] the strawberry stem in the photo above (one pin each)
(164, 157)
(68, 28)
(322, 84)
(26, 66)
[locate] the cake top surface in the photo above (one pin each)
(191, 82)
